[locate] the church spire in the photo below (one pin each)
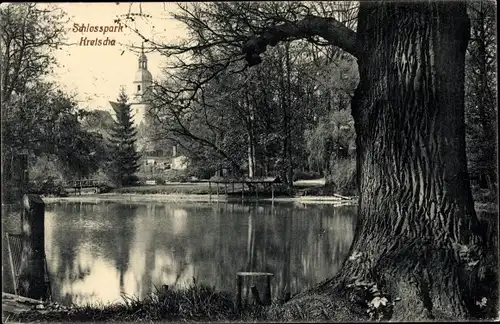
(143, 60)
(142, 79)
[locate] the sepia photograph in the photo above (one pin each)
(252, 161)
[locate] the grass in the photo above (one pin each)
(202, 188)
(187, 188)
(195, 303)
(196, 188)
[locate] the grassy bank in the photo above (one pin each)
(204, 304)
(168, 189)
(203, 188)
(196, 303)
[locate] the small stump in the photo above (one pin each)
(255, 292)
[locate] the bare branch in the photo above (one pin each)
(329, 29)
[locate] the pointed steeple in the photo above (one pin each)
(143, 60)
(143, 78)
(143, 81)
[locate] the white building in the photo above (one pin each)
(142, 83)
(139, 101)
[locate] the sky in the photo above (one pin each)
(95, 73)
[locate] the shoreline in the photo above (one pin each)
(143, 198)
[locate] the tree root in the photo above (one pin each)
(396, 297)
(317, 308)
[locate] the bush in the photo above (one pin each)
(200, 172)
(105, 188)
(159, 181)
(343, 177)
(46, 187)
(130, 180)
(305, 175)
(176, 176)
(11, 192)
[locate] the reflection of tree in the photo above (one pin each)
(67, 239)
(301, 246)
(251, 242)
(285, 274)
(102, 230)
(110, 236)
(122, 223)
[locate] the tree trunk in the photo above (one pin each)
(417, 234)
(32, 270)
(251, 167)
(418, 237)
(251, 139)
(289, 145)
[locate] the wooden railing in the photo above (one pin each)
(85, 183)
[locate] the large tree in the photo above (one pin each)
(38, 120)
(418, 235)
(418, 239)
(124, 156)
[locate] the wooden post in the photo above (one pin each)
(239, 284)
(24, 164)
(217, 189)
(209, 190)
(272, 192)
(32, 270)
(257, 190)
(21, 173)
(267, 294)
(286, 296)
(11, 260)
(242, 190)
(255, 295)
(253, 289)
(233, 186)
(225, 188)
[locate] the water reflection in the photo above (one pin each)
(95, 252)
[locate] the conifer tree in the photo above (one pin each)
(124, 157)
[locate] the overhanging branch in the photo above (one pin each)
(330, 29)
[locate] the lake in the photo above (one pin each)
(96, 252)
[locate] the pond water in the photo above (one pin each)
(96, 252)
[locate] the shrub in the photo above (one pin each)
(159, 181)
(200, 172)
(130, 180)
(305, 175)
(176, 176)
(105, 188)
(46, 187)
(343, 177)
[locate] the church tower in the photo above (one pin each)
(141, 89)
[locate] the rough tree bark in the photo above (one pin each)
(416, 210)
(417, 237)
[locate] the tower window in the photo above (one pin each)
(138, 87)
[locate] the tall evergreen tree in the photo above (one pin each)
(124, 157)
